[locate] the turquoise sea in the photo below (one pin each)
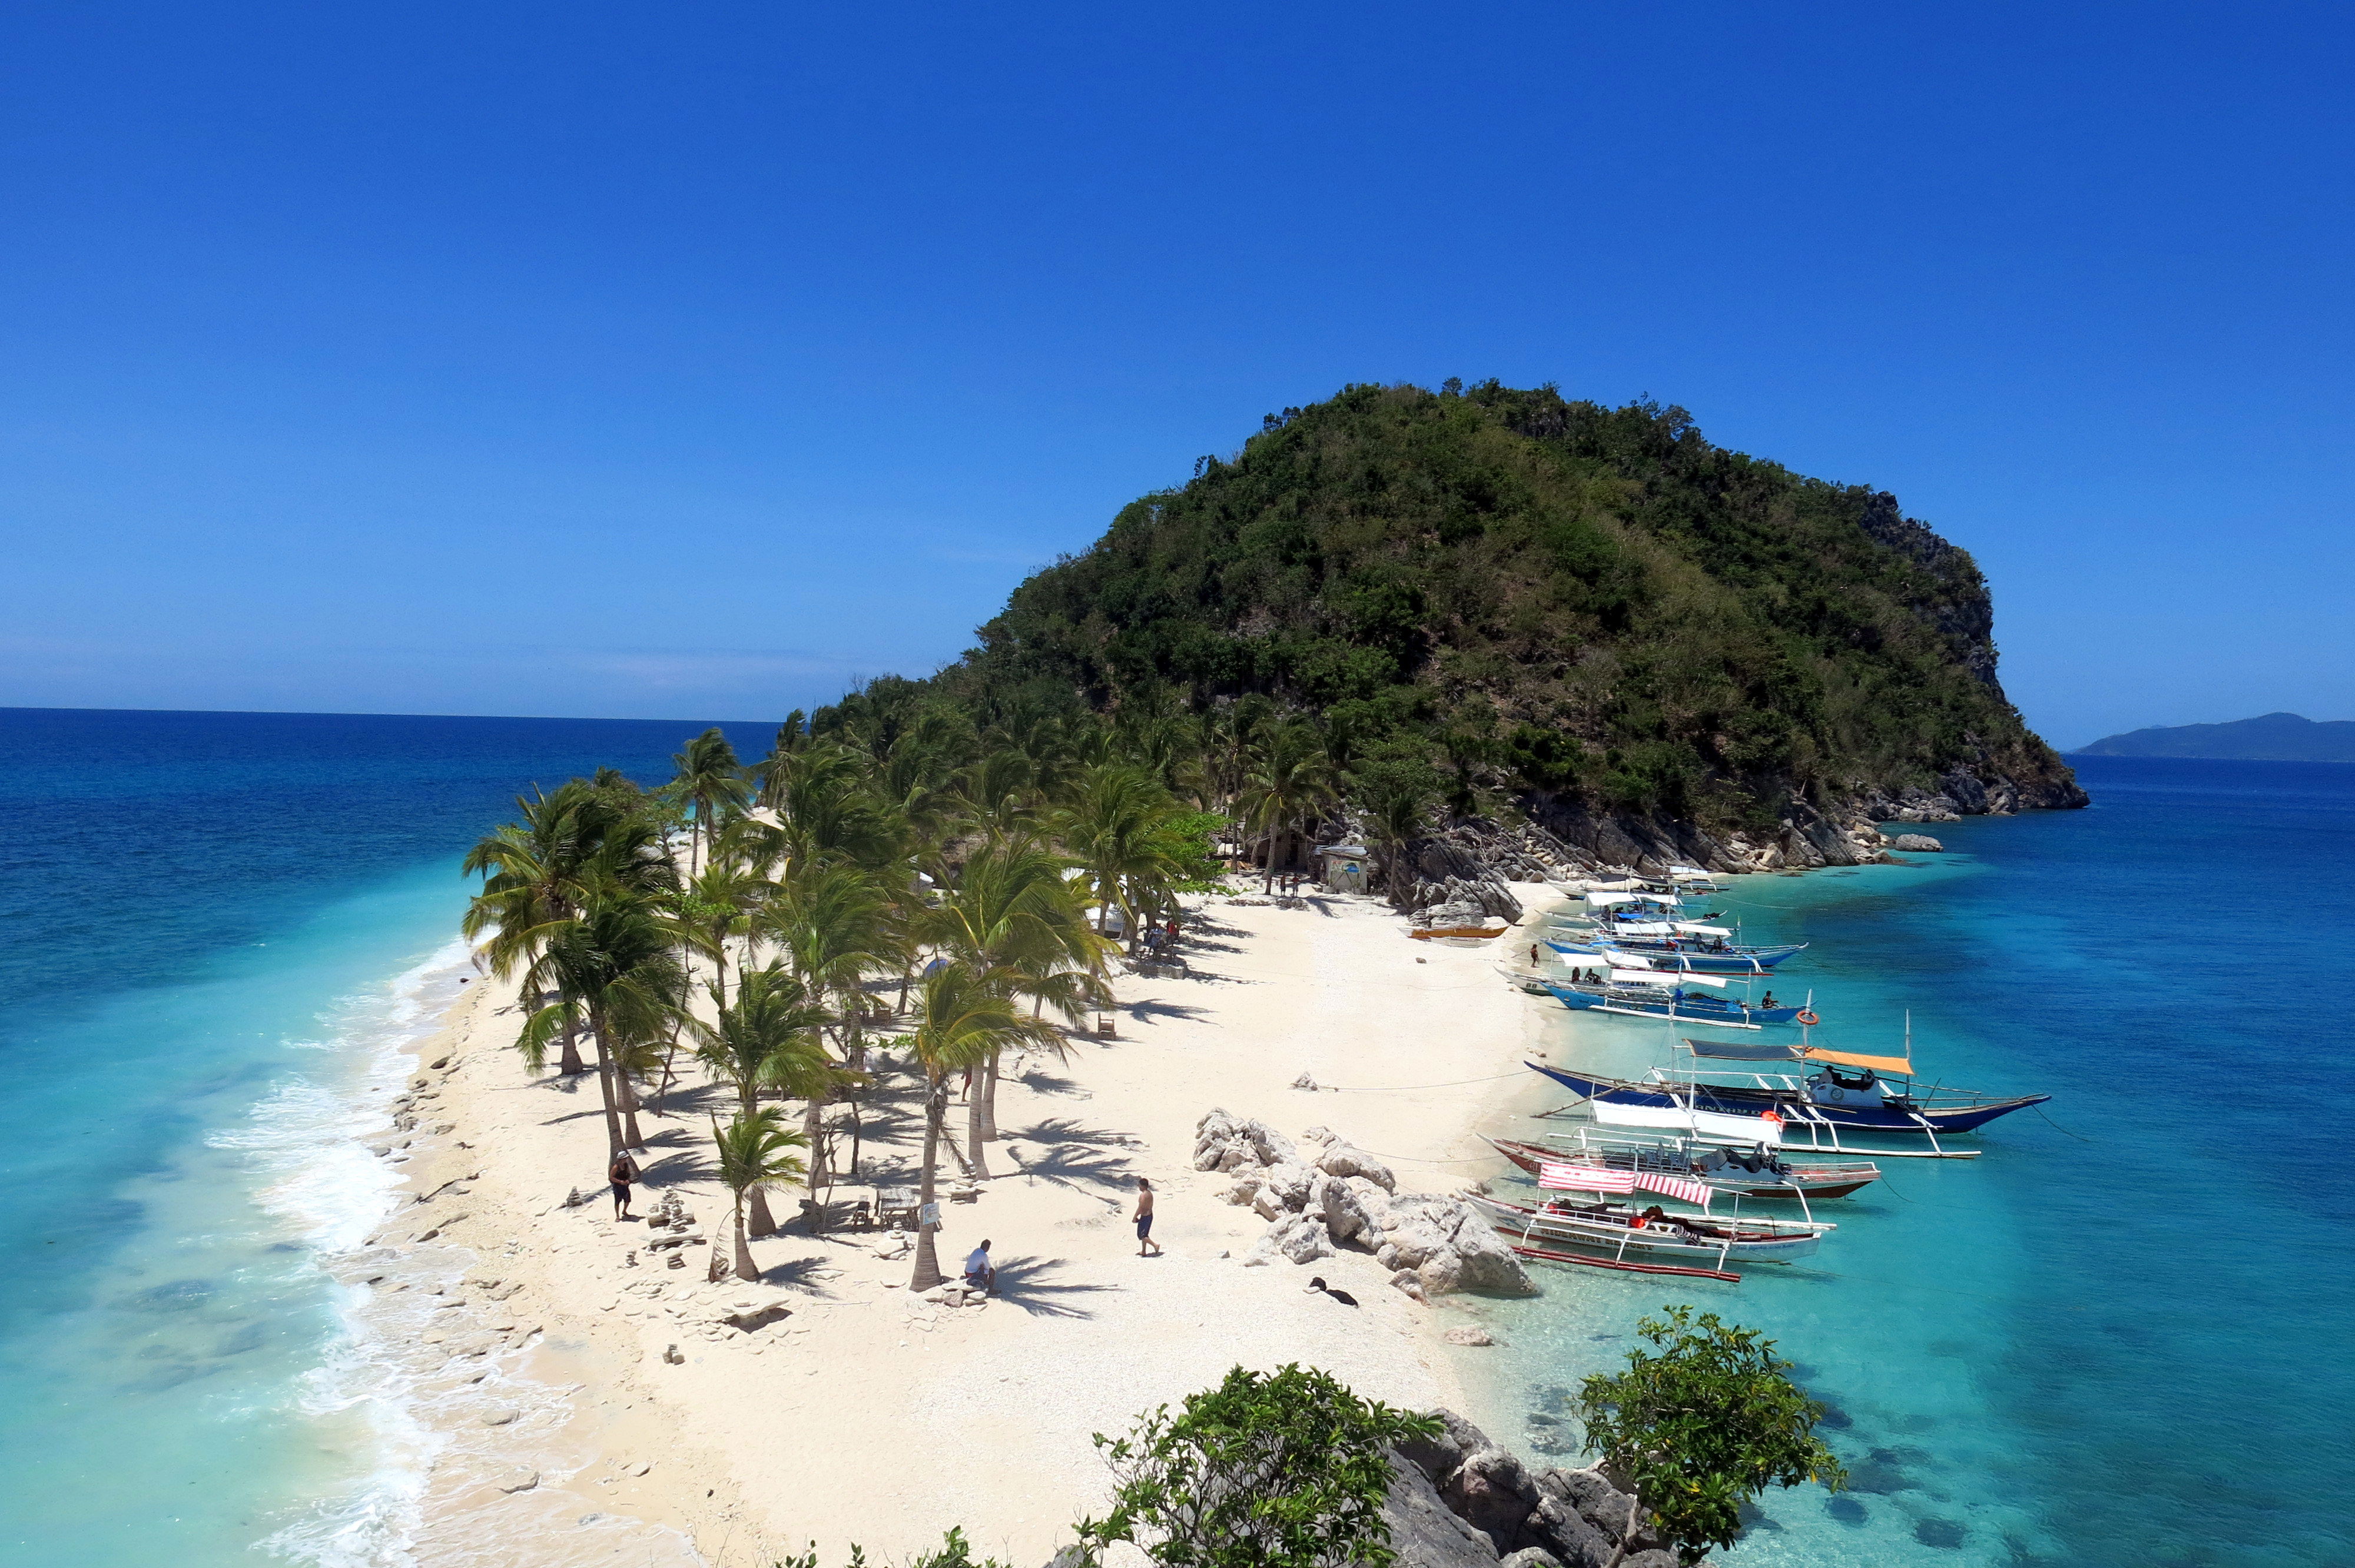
(218, 932)
(2121, 1338)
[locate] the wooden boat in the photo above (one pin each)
(1753, 1173)
(1645, 993)
(1689, 955)
(1819, 1107)
(1428, 932)
(1623, 1233)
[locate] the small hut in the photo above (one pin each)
(1342, 867)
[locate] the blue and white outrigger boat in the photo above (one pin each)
(1685, 944)
(1814, 1111)
(1643, 993)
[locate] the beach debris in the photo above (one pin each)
(1304, 1082)
(501, 1416)
(678, 1260)
(1467, 1335)
(439, 1062)
(574, 1197)
(670, 1354)
(630, 1258)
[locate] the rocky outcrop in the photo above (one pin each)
(1458, 1500)
(1333, 1194)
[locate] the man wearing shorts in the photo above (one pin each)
(1144, 1220)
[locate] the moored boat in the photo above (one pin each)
(1818, 1108)
(1645, 993)
(1755, 1172)
(1621, 1233)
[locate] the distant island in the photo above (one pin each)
(2271, 738)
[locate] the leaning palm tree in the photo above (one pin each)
(711, 782)
(755, 1154)
(833, 926)
(537, 872)
(613, 967)
(963, 1021)
(768, 1039)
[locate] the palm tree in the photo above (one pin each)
(963, 1020)
(755, 1154)
(832, 925)
(542, 871)
(711, 781)
(1394, 818)
(613, 967)
(1112, 829)
(1285, 779)
(768, 1039)
(1012, 918)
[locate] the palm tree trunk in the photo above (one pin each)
(628, 1098)
(988, 1120)
(614, 1144)
(928, 1263)
(744, 1269)
(812, 1127)
(976, 1117)
(570, 1063)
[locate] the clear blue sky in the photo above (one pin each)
(633, 360)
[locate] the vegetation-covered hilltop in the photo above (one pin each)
(1589, 616)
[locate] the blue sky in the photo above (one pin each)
(638, 361)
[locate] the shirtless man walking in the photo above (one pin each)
(1144, 1220)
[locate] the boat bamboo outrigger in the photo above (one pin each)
(1621, 1233)
(1881, 1100)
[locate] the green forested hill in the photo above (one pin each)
(1589, 610)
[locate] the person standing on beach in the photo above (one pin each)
(620, 1173)
(1144, 1220)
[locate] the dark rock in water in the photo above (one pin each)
(1544, 1443)
(1540, 1418)
(165, 1375)
(177, 1297)
(1912, 1424)
(1917, 844)
(1756, 1518)
(1653, 1559)
(1835, 1418)
(1939, 1532)
(1845, 1510)
(1877, 1476)
(248, 1337)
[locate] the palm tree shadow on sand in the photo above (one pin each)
(1027, 1282)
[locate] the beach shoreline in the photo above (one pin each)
(864, 1414)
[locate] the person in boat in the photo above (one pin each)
(1768, 1004)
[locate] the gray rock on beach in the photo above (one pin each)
(1917, 844)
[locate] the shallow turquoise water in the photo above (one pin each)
(218, 928)
(2120, 1337)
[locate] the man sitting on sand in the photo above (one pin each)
(980, 1274)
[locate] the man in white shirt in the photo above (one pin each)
(979, 1273)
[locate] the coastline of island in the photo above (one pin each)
(827, 1403)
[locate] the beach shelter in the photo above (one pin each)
(1342, 867)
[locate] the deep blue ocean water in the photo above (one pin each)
(2122, 1338)
(212, 926)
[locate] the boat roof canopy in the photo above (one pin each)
(1642, 928)
(1896, 1066)
(1698, 929)
(1661, 977)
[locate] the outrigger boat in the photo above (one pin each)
(1685, 944)
(1881, 1100)
(1642, 992)
(1648, 1240)
(1758, 1172)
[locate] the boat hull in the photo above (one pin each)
(1821, 1183)
(1742, 1100)
(1698, 962)
(1684, 1010)
(1657, 1242)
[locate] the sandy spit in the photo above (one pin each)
(867, 1415)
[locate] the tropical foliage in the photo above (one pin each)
(1286, 1469)
(1700, 1423)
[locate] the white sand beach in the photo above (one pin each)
(870, 1415)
